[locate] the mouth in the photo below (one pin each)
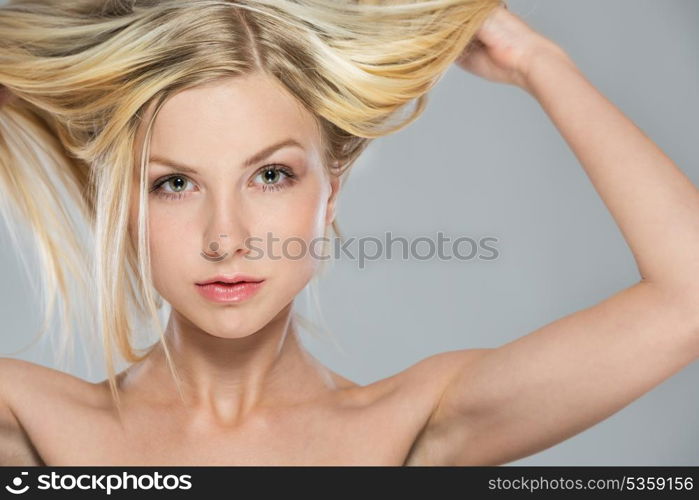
(230, 279)
(229, 292)
(228, 284)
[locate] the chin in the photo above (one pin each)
(229, 321)
(229, 333)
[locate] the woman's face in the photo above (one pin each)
(232, 210)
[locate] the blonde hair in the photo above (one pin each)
(84, 71)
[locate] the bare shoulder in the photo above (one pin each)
(429, 375)
(28, 393)
(22, 380)
(412, 397)
(436, 437)
(15, 446)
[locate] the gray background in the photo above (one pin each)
(485, 160)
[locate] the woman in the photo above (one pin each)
(223, 124)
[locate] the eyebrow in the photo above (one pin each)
(257, 157)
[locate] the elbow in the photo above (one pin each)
(689, 304)
(684, 302)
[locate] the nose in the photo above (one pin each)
(226, 231)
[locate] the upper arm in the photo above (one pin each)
(525, 396)
(15, 445)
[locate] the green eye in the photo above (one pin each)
(270, 176)
(275, 177)
(177, 183)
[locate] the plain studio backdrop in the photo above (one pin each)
(484, 160)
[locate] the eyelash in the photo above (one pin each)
(290, 177)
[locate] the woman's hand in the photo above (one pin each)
(505, 48)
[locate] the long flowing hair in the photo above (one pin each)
(82, 73)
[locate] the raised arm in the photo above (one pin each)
(509, 402)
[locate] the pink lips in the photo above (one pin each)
(229, 293)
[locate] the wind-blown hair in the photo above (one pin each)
(82, 73)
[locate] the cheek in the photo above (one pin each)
(172, 245)
(296, 226)
(303, 217)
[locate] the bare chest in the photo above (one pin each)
(366, 436)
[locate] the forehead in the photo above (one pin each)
(226, 121)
